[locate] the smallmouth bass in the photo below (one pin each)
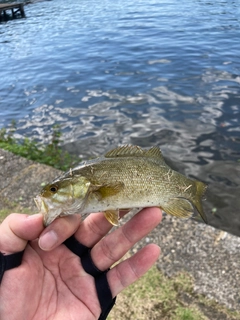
(127, 177)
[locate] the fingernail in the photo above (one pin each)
(48, 240)
(34, 216)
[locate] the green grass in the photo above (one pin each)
(50, 154)
(5, 212)
(157, 297)
(184, 313)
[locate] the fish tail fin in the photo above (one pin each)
(183, 207)
(197, 201)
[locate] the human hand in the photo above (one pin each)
(51, 282)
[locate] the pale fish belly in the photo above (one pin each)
(123, 200)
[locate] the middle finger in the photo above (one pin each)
(94, 228)
(113, 247)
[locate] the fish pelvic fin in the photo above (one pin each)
(112, 216)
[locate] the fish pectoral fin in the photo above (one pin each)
(106, 190)
(179, 207)
(112, 216)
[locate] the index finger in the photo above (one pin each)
(17, 229)
(96, 226)
(92, 229)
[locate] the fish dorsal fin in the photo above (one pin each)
(125, 151)
(130, 151)
(154, 152)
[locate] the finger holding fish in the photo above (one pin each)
(88, 232)
(94, 228)
(58, 231)
(17, 229)
(116, 244)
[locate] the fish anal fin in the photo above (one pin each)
(112, 216)
(179, 207)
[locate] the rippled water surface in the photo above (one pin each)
(144, 72)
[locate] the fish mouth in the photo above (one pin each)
(52, 209)
(41, 204)
(49, 214)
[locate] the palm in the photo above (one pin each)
(51, 283)
(59, 285)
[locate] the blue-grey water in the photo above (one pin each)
(143, 72)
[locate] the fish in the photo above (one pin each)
(125, 178)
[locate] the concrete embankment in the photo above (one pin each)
(210, 255)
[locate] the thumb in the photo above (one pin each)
(17, 229)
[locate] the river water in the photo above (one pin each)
(142, 72)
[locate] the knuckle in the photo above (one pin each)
(95, 228)
(108, 250)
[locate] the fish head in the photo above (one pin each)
(62, 197)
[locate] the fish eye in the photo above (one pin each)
(53, 189)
